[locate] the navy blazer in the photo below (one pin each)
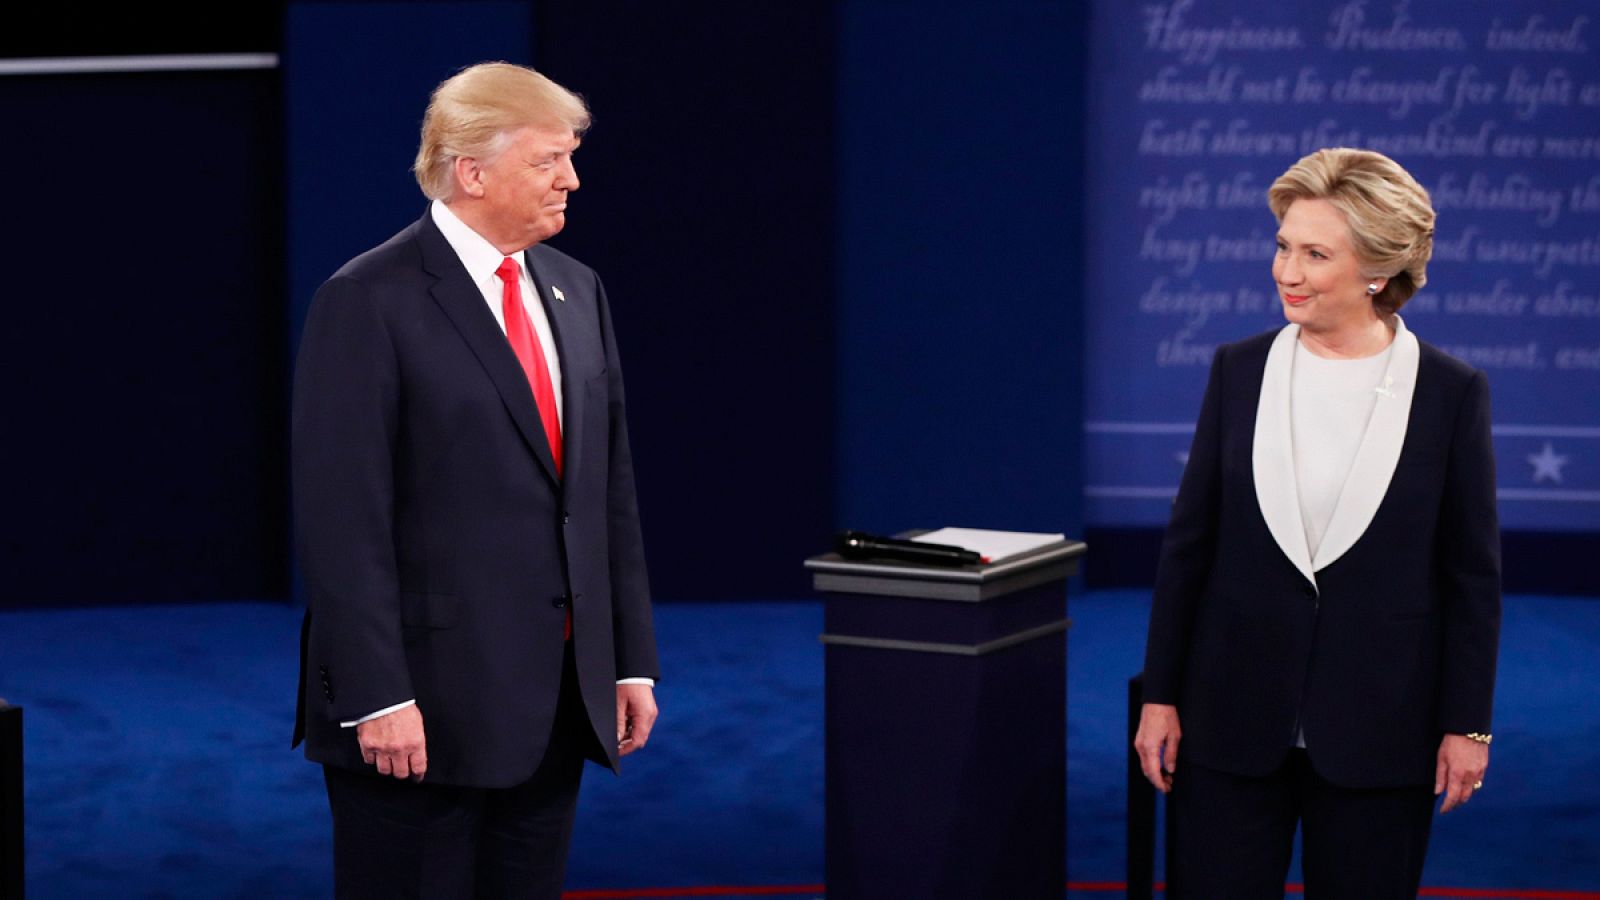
(440, 549)
(1375, 653)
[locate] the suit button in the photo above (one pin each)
(566, 518)
(558, 602)
(1311, 593)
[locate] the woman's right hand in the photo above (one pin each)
(1157, 743)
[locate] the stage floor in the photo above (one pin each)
(158, 760)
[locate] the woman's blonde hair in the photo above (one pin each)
(474, 113)
(1390, 215)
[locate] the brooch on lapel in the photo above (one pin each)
(556, 292)
(1385, 388)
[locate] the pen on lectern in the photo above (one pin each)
(860, 545)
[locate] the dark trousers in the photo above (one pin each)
(398, 839)
(1232, 836)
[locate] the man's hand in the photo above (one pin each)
(636, 715)
(1157, 743)
(395, 743)
(1459, 772)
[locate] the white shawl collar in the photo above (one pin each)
(1272, 458)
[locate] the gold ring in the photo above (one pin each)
(1478, 786)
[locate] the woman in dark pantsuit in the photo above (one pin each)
(1326, 616)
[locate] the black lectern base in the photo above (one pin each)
(945, 775)
(11, 880)
(946, 735)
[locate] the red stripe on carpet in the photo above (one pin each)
(789, 890)
(1091, 887)
(1085, 887)
(1493, 893)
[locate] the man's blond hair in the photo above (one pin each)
(474, 113)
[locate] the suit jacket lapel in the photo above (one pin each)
(1379, 453)
(1272, 456)
(559, 313)
(463, 303)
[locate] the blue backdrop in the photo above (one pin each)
(960, 142)
(874, 264)
(1199, 105)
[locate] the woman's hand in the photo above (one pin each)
(1157, 743)
(1462, 762)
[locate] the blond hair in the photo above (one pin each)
(1390, 215)
(474, 113)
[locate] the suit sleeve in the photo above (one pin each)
(1468, 569)
(344, 430)
(1187, 550)
(633, 629)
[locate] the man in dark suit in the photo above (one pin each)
(479, 621)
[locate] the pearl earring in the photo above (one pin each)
(1372, 288)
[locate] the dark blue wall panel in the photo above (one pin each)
(707, 206)
(143, 344)
(357, 77)
(960, 268)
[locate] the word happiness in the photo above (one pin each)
(1415, 90)
(1166, 30)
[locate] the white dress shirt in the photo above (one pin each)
(482, 260)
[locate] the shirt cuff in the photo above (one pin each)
(382, 712)
(651, 682)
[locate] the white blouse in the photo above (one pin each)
(1330, 403)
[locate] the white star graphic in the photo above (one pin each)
(1547, 463)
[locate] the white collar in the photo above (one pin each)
(476, 253)
(1272, 456)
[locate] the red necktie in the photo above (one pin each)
(519, 331)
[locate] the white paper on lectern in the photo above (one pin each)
(992, 545)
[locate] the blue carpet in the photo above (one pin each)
(158, 760)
